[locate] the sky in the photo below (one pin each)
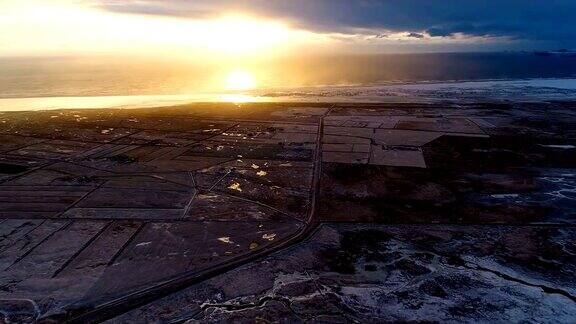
(257, 29)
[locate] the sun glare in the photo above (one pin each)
(238, 34)
(69, 25)
(240, 80)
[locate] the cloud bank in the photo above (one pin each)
(532, 21)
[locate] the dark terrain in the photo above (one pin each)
(290, 213)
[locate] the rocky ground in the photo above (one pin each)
(379, 273)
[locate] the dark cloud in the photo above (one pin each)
(415, 35)
(549, 21)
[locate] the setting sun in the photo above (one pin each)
(240, 80)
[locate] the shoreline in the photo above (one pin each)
(322, 86)
(538, 89)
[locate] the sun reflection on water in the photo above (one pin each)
(239, 98)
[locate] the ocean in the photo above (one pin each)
(64, 82)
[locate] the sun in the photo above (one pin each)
(240, 80)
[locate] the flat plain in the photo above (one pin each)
(289, 212)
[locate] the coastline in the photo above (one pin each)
(539, 89)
